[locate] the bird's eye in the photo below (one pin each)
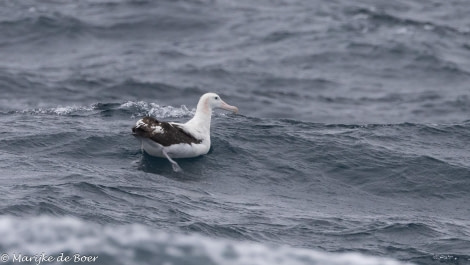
(216, 98)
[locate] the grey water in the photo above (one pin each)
(351, 144)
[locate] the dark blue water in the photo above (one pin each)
(351, 145)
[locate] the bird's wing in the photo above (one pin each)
(164, 133)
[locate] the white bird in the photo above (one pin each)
(180, 140)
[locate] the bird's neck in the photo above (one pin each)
(202, 118)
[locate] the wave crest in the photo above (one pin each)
(138, 244)
(133, 108)
(142, 108)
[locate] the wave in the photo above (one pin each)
(138, 244)
(41, 21)
(59, 110)
(141, 108)
(380, 17)
(133, 108)
(36, 28)
(383, 159)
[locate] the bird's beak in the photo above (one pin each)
(228, 107)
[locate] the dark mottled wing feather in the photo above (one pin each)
(163, 133)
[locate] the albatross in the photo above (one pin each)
(180, 140)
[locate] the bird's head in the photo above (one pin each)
(212, 100)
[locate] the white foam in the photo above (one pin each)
(141, 108)
(52, 235)
(137, 108)
(60, 110)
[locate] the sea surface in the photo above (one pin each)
(352, 144)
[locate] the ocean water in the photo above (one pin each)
(351, 145)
